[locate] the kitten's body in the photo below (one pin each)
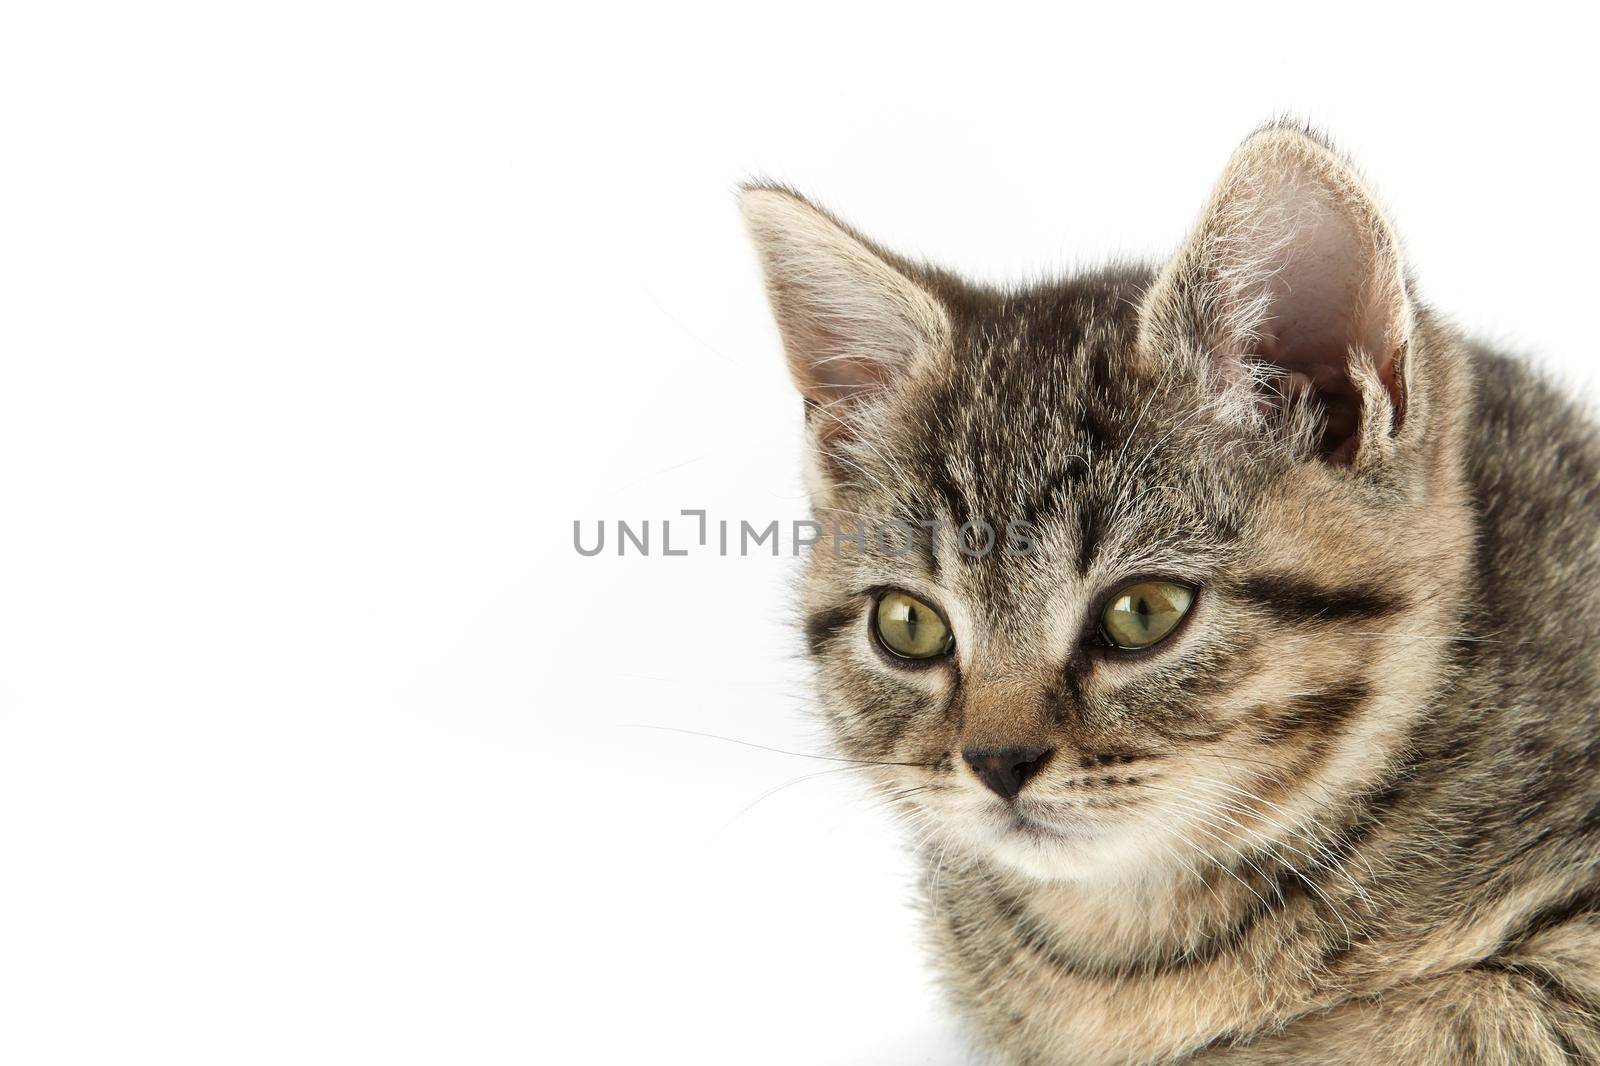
(1349, 809)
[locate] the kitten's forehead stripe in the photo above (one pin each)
(1055, 491)
(1089, 531)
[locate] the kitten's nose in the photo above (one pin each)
(1006, 770)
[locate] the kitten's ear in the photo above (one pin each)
(852, 321)
(1294, 269)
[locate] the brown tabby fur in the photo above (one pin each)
(1350, 811)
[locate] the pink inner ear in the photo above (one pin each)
(832, 381)
(841, 370)
(839, 366)
(1326, 296)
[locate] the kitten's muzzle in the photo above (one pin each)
(1006, 770)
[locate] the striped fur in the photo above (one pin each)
(1351, 812)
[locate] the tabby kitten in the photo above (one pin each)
(1279, 745)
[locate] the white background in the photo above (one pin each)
(321, 323)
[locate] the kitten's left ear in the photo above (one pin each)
(1294, 268)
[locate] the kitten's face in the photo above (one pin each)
(1128, 485)
(1205, 609)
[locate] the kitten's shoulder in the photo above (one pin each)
(1533, 460)
(1531, 443)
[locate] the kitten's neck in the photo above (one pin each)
(1176, 914)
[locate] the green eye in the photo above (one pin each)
(1144, 613)
(910, 628)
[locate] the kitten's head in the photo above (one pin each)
(1155, 562)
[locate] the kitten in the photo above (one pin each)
(1279, 745)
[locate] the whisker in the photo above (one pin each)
(775, 789)
(768, 747)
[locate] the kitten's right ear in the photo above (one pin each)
(852, 322)
(1295, 271)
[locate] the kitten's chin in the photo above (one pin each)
(1047, 852)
